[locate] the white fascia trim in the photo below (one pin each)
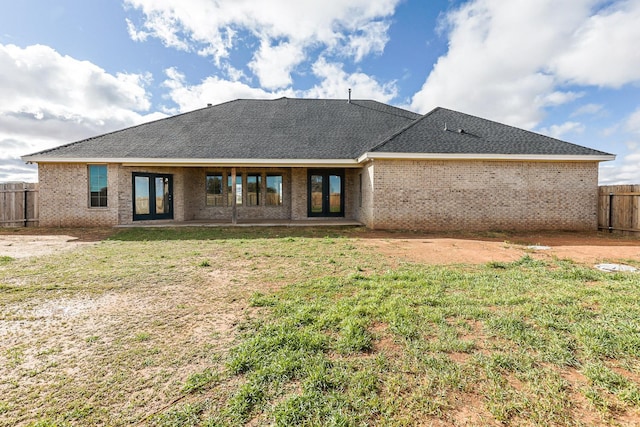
(344, 163)
(471, 156)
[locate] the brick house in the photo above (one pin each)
(303, 159)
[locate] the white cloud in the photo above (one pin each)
(557, 131)
(508, 60)
(633, 122)
(557, 98)
(273, 64)
(134, 34)
(286, 30)
(372, 37)
(49, 99)
(335, 83)
(623, 171)
(588, 109)
(212, 90)
(603, 51)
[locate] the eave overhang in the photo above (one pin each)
(344, 163)
(476, 156)
(173, 162)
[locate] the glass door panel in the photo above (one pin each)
(335, 194)
(325, 192)
(141, 198)
(162, 195)
(152, 196)
(238, 194)
(317, 196)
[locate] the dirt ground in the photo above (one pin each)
(584, 248)
(81, 334)
(28, 242)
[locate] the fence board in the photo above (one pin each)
(19, 204)
(619, 208)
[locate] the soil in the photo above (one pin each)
(201, 317)
(28, 242)
(584, 248)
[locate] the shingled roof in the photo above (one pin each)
(248, 129)
(310, 129)
(452, 132)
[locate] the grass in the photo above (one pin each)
(400, 347)
(276, 326)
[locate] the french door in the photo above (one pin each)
(152, 196)
(325, 193)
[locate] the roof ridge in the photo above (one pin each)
(354, 101)
(402, 130)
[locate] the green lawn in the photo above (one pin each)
(319, 330)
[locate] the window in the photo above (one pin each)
(253, 189)
(238, 194)
(98, 186)
(214, 190)
(274, 190)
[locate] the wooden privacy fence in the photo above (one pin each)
(18, 204)
(618, 208)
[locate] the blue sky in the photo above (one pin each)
(71, 69)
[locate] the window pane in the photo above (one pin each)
(142, 195)
(238, 194)
(274, 190)
(253, 189)
(316, 193)
(335, 193)
(214, 190)
(97, 186)
(162, 195)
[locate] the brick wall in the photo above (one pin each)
(427, 195)
(197, 208)
(351, 193)
(125, 180)
(364, 195)
(482, 195)
(298, 193)
(64, 196)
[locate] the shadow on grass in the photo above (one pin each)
(556, 238)
(230, 233)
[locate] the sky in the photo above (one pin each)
(72, 69)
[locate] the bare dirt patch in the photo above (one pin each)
(428, 248)
(586, 248)
(28, 242)
(27, 246)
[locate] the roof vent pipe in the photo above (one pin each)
(349, 96)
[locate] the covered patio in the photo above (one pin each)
(323, 222)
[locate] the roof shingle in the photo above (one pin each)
(248, 129)
(451, 132)
(311, 129)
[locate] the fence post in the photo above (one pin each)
(610, 212)
(26, 211)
